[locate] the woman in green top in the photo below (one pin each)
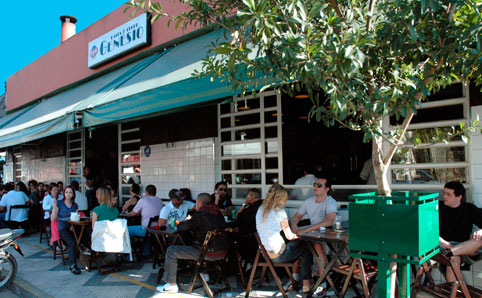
(106, 210)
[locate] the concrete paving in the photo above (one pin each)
(41, 276)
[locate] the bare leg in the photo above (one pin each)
(468, 247)
(321, 253)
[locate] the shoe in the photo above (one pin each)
(167, 288)
(320, 291)
(205, 276)
(288, 286)
(74, 269)
(87, 251)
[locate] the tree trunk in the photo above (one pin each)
(380, 169)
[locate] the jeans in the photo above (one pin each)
(175, 253)
(294, 249)
(136, 231)
(66, 236)
(139, 231)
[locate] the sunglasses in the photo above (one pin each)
(180, 195)
(319, 185)
(222, 189)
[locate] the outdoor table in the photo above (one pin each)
(164, 238)
(131, 220)
(82, 223)
(337, 241)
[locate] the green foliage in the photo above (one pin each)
(358, 65)
(414, 49)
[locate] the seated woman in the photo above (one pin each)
(271, 219)
(129, 204)
(63, 208)
(106, 210)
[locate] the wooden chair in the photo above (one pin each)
(267, 264)
(203, 265)
(103, 232)
(357, 270)
(58, 244)
(140, 242)
(17, 224)
(44, 232)
(454, 289)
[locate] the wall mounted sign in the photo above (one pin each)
(125, 38)
(147, 151)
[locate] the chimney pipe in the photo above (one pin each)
(67, 27)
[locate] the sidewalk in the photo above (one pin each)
(40, 276)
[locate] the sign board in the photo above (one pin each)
(125, 38)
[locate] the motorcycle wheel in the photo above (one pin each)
(8, 269)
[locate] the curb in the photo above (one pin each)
(24, 289)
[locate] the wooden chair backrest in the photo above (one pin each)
(16, 207)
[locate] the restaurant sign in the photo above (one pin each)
(127, 37)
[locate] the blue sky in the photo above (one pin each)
(32, 28)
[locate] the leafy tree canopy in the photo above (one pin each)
(359, 61)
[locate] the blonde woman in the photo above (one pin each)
(271, 219)
(106, 210)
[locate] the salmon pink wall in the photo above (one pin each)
(67, 63)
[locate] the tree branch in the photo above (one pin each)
(371, 8)
(393, 147)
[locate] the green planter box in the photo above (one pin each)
(405, 224)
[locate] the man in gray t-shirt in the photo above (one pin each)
(320, 209)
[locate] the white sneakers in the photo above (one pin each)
(167, 288)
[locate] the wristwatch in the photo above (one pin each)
(244, 205)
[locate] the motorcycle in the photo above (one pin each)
(8, 264)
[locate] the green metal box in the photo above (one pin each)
(404, 224)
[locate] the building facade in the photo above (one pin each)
(139, 117)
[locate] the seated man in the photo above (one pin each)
(14, 197)
(456, 220)
(147, 207)
(206, 218)
(321, 211)
(246, 223)
(80, 198)
(222, 198)
(176, 209)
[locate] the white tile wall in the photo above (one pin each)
(476, 160)
(47, 170)
(192, 164)
(8, 172)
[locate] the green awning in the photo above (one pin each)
(164, 85)
(57, 114)
(160, 83)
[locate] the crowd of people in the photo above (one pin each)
(278, 233)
